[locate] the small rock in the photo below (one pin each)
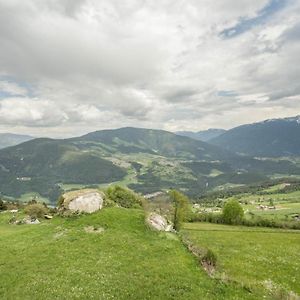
(30, 221)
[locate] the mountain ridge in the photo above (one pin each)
(268, 138)
(202, 135)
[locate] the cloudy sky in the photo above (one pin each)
(72, 66)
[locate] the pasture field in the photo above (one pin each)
(287, 205)
(261, 258)
(58, 259)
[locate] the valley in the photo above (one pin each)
(143, 159)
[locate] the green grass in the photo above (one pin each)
(57, 259)
(256, 257)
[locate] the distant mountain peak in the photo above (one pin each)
(287, 119)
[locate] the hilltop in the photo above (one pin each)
(59, 259)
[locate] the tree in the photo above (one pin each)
(233, 212)
(181, 205)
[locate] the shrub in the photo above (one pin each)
(36, 210)
(3, 205)
(206, 217)
(123, 197)
(233, 212)
(210, 258)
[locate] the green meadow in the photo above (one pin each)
(265, 260)
(58, 259)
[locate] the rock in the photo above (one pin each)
(30, 221)
(83, 201)
(158, 222)
(48, 217)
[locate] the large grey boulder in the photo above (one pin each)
(88, 200)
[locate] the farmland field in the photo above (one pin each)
(260, 258)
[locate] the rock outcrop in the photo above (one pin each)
(88, 200)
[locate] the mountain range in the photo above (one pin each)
(269, 138)
(144, 159)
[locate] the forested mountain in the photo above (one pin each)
(270, 138)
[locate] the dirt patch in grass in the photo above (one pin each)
(93, 229)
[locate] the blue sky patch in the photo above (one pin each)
(22, 84)
(262, 17)
(227, 94)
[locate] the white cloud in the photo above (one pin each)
(30, 112)
(98, 64)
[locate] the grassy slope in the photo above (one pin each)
(59, 260)
(252, 255)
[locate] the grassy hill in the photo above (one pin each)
(146, 160)
(58, 259)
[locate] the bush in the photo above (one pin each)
(233, 212)
(36, 210)
(3, 205)
(206, 217)
(210, 258)
(123, 197)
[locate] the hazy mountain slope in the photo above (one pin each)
(204, 135)
(270, 138)
(10, 139)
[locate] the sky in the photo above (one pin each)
(68, 67)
